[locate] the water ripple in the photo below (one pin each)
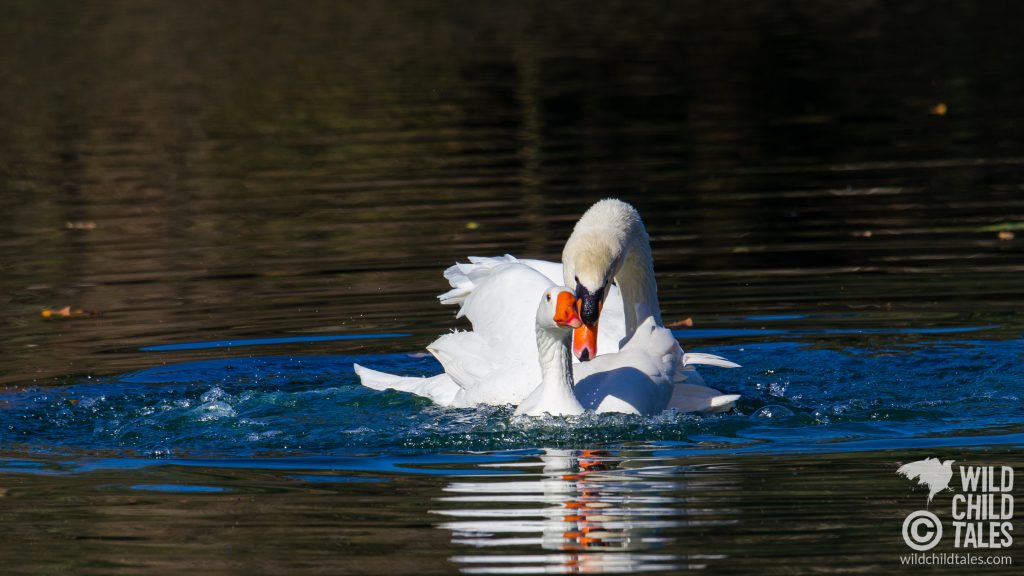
(795, 397)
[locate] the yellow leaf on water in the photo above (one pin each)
(65, 312)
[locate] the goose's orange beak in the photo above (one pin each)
(565, 311)
(584, 340)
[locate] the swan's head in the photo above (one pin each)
(592, 258)
(557, 310)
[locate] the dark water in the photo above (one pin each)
(222, 206)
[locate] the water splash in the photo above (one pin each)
(796, 397)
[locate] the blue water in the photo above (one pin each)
(270, 411)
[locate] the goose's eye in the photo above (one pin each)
(549, 297)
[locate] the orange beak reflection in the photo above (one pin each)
(584, 340)
(566, 314)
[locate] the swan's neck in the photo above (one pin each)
(637, 283)
(556, 386)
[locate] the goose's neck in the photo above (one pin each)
(556, 386)
(637, 283)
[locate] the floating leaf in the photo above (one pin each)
(66, 312)
(685, 323)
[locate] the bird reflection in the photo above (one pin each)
(594, 512)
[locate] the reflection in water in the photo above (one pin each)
(603, 512)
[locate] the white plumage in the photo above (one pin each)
(498, 363)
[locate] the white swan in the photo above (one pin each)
(497, 363)
(609, 246)
(638, 379)
(606, 261)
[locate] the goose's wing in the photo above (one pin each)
(499, 296)
(441, 388)
(466, 358)
(486, 375)
(495, 363)
(465, 278)
(473, 374)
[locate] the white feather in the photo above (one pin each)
(498, 362)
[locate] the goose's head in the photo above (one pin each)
(592, 258)
(557, 310)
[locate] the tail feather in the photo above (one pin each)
(708, 360)
(694, 398)
(441, 389)
(689, 394)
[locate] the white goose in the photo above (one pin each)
(497, 363)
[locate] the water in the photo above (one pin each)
(236, 204)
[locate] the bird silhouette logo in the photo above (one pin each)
(930, 472)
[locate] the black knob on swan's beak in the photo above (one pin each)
(590, 304)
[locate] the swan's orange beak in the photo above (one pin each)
(565, 311)
(584, 340)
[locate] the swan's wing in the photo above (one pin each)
(637, 380)
(656, 342)
(628, 387)
(649, 375)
